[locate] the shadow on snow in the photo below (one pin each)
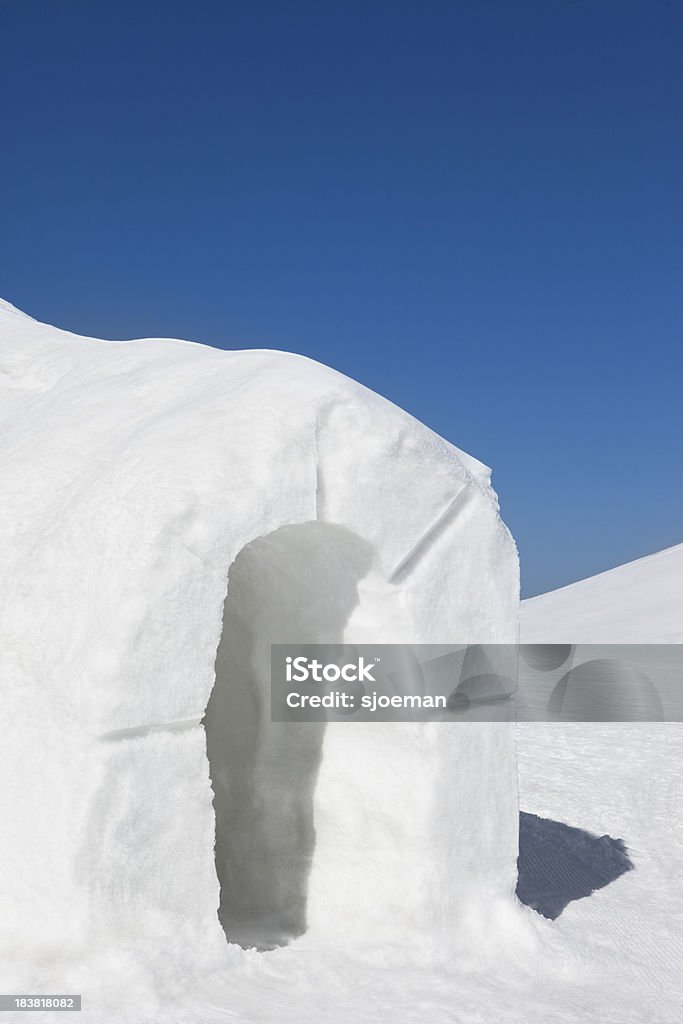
(558, 864)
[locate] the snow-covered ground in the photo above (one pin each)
(623, 780)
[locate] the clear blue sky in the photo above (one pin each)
(474, 208)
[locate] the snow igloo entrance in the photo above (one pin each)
(296, 585)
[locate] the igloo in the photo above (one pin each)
(169, 511)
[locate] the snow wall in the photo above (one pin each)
(138, 478)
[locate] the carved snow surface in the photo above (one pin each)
(169, 510)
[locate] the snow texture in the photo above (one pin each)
(637, 603)
(169, 510)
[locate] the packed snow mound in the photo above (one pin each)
(170, 510)
(640, 602)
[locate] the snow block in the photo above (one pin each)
(169, 511)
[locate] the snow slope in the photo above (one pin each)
(641, 602)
